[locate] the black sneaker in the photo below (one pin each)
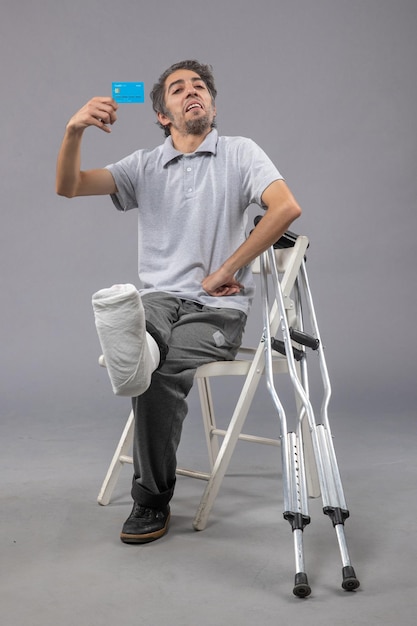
(145, 524)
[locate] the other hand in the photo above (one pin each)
(221, 283)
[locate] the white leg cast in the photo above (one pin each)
(130, 353)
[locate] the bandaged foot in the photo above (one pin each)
(131, 354)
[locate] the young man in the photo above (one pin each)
(192, 194)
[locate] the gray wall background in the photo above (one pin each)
(327, 87)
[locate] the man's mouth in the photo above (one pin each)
(193, 105)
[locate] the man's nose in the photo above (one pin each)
(191, 90)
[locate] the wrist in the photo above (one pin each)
(229, 268)
(73, 130)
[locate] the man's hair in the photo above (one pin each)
(158, 92)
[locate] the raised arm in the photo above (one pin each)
(282, 210)
(70, 180)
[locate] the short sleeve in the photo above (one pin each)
(125, 173)
(256, 169)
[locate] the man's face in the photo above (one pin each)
(189, 106)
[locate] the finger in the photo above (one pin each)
(111, 113)
(103, 126)
(103, 108)
(106, 115)
(224, 291)
(106, 100)
(100, 123)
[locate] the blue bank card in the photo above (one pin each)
(128, 92)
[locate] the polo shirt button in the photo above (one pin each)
(188, 169)
(190, 188)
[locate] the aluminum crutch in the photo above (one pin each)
(334, 504)
(293, 473)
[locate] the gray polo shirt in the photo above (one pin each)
(192, 212)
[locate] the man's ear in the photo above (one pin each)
(163, 119)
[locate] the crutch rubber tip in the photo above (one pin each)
(350, 582)
(301, 587)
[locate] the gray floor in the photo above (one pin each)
(63, 563)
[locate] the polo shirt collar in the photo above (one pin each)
(169, 153)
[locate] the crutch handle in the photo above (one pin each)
(304, 339)
(279, 346)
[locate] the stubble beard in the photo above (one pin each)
(198, 125)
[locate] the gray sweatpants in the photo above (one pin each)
(195, 335)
